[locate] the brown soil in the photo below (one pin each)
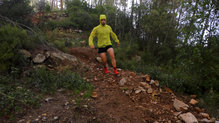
(112, 105)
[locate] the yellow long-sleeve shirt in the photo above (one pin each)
(103, 34)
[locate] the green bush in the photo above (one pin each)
(12, 39)
(17, 10)
(210, 102)
(53, 24)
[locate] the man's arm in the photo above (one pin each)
(115, 38)
(92, 35)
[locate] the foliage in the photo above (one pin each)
(42, 6)
(14, 97)
(78, 15)
(12, 39)
(177, 40)
(16, 10)
(49, 81)
(65, 24)
(17, 94)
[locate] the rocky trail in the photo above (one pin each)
(126, 98)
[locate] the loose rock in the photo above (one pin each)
(133, 74)
(150, 90)
(142, 89)
(177, 113)
(85, 106)
(205, 120)
(193, 96)
(188, 118)
(48, 99)
(145, 85)
(137, 91)
(198, 109)
(44, 118)
(21, 121)
(205, 115)
(99, 59)
(39, 58)
(94, 95)
(147, 78)
(178, 121)
(66, 103)
(122, 82)
(179, 105)
(26, 53)
(128, 92)
(156, 83)
(56, 118)
(168, 90)
(152, 82)
(193, 102)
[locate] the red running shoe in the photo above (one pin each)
(105, 70)
(116, 72)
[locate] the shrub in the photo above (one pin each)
(16, 10)
(53, 24)
(12, 39)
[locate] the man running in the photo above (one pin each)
(103, 32)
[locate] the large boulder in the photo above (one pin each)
(63, 56)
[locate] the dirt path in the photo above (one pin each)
(120, 103)
(116, 102)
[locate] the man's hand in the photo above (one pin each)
(118, 43)
(92, 47)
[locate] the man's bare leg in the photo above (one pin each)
(110, 51)
(104, 59)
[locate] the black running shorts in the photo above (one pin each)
(102, 50)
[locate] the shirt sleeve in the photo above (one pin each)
(92, 35)
(113, 35)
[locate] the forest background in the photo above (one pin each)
(174, 41)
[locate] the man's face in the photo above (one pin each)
(103, 21)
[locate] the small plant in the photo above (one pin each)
(49, 81)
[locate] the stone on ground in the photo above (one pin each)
(188, 118)
(156, 83)
(179, 105)
(205, 115)
(39, 58)
(99, 59)
(150, 90)
(94, 95)
(193, 102)
(122, 82)
(147, 77)
(26, 53)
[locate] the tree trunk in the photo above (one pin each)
(52, 4)
(61, 3)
